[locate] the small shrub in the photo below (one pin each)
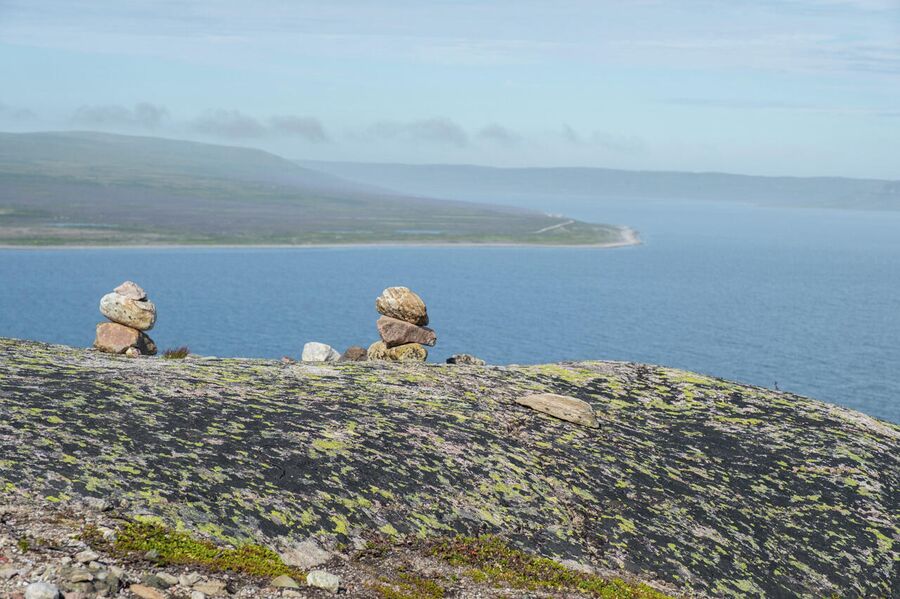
(178, 353)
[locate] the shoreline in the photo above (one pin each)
(630, 238)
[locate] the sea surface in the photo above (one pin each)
(808, 300)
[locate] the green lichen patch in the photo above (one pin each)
(168, 546)
(406, 585)
(491, 560)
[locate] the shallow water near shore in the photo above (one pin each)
(807, 299)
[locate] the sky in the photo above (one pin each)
(793, 87)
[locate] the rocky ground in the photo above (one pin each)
(695, 485)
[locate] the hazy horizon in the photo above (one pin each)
(801, 88)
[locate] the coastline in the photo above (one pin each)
(629, 238)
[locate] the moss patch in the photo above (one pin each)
(172, 547)
(491, 560)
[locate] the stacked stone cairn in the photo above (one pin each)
(131, 314)
(402, 327)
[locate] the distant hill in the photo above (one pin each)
(95, 188)
(531, 186)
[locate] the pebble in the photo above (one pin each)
(131, 290)
(189, 579)
(319, 352)
(466, 359)
(167, 578)
(145, 592)
(7, 573)
(41, 590)
(284, 582)
(86, 556)
(323, 580)
(213, 587)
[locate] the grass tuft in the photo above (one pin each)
(178, 353)
(490, 559)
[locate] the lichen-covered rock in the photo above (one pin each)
(402, 304)
(132, 313)
(396, 332)
(114, 338)
(465, 359)
(354, 354)
(716, 488)
(319, 352)
(131, 290)
(410, 352)
(570, 409)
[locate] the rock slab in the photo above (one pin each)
(402, 304)
(563, 407)
(396, 332)
(137, 314)
(114, 338)
(411, 352)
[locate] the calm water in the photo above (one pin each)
(807, 299)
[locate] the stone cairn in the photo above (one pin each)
(131, 314)
(402, 327)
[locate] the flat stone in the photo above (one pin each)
(566, 408)
(145, 592)
(83, 557)
(131, 290)
(284, 582)
(402, 304)
(411, 352)
(80, 575)
(465, 359)
(304, 555)
(189, 579)
(319, 352)
(323, 580)
(167, 578)
(396, 332)
(115, 338)
(7, 573)
(139, 315)
(213, 587)
(354, 354)
(41, 590)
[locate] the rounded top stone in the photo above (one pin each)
(131, 290)
(403, 304)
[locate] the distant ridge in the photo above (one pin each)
(522, 186)
(88, 188)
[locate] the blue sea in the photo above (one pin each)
(808, 300)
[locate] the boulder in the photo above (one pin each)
(396, 332)
(402, 304)
(114, 338)
(354, 354)
(410, 352)
(132, 313)
(131, 290)
(562, 407)
(466, 359)
(319, 352)
(304, 555)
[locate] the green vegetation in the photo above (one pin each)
(492, 560)
(173, 547)
(408, 586)
(99, 189)
(178, 353)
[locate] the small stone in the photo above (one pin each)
(466, 359)
(167, 578)
(151, 555)
(7, 573)
(80, 575)
(197, 595)
(319, 352)
(131, 290)
(566, 408)
(213, 587)
(97, 504)
(402, 304)
(139, 315)
(354, 354)
(41, 590)
(133, 352)
(304, 555)
(284, 582)
(145, 592)
(155, 581)
(396, 332)
(86, 556)
(411, 352)
(287, 360)
(189, 579)
(323, 580)
(115, 338)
